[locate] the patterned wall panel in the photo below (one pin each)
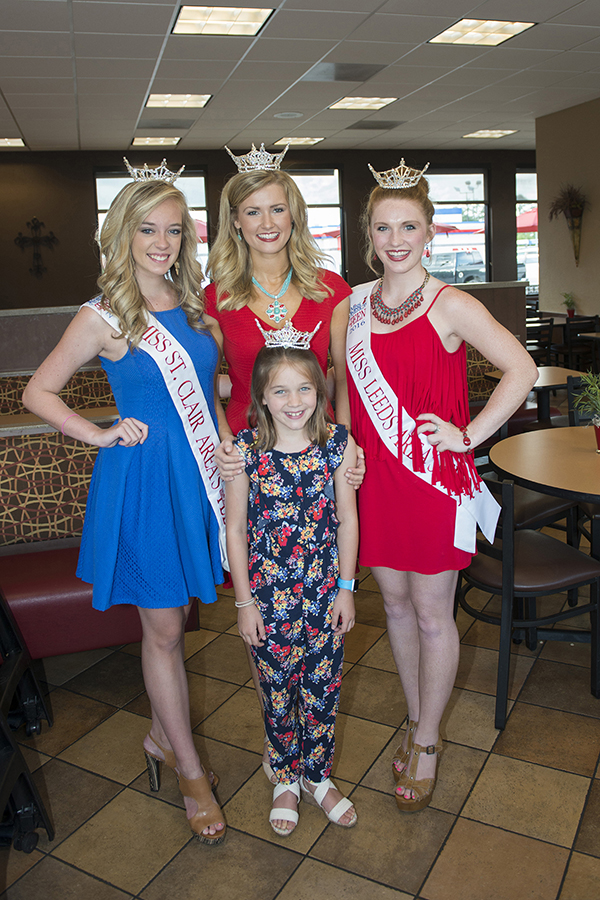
(85, 390)
(44, 481)
(480, 387)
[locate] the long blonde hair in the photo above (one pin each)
(419, 194)
(268, 360)
(118, 283)
(229, 262)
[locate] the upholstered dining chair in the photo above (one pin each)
(522, 566)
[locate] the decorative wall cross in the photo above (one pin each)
(37, 241)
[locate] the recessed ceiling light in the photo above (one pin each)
(480, 31)
(489, 133)
(288, 115)
(230, 20)
(363, 102)
(11, 142)
(178, 100)
(298, 141)
(155, 141)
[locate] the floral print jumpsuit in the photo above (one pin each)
(293, 570)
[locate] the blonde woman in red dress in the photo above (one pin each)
(422, 498)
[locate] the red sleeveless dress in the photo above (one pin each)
(405, 523)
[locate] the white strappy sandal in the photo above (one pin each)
(288, 815)
(319, 795)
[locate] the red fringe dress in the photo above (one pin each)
(405, 523)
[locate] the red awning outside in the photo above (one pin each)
(528, 221)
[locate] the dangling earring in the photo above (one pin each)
(427, 253)
(176, 264)
(239, 234)
(292, 227)
(374, 257)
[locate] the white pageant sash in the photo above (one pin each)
(382, 406)
(183, 384)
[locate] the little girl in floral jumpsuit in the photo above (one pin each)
(292, 538)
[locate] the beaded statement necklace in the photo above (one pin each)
(388, 316)
(276, 310)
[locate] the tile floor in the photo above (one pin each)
(516, 814)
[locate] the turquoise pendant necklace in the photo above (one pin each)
(276, 311)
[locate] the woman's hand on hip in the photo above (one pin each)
(441, 434)
(229, 460)
(126, 433)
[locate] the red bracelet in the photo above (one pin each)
(466, 438)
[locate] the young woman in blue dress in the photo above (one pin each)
(151, 534)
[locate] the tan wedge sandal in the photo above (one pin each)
(401, 756)
(422, 789)
(208, 812)
(153, 764)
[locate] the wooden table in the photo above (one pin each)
(563, 462)
(549, 378)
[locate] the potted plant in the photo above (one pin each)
(571, 202)
(569, 302)
(588, 401)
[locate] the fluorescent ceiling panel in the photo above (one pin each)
(481, 32)
(363, 102)
(220, 20)
(178, 100)
(489, 133)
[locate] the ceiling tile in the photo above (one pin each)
(123, 46)
(554, 37)
(42, 15)
(335, 25)
(205, 47)
(35, 66)
(131, 86)
(585, 13)
(37, 85)
(119, 68)
(34, 43)
(121, 18)
(521, 10)
(194, 69)
(289, 50)
(368, 52)
(407, 29)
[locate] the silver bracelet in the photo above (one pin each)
(244, 603)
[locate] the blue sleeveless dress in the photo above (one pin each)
(150, 536)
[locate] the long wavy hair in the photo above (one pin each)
(119, 286)
(268, 360)
(229, 262)
(418, 194)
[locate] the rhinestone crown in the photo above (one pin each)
(156, 173)
(400, 177)
(258, 159)
(288, 336)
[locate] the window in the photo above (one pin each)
(192, 187)
(528, 268)
(458, 252)
(321, 192)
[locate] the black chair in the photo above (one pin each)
(539, 340)
(520, 567)
(575, 352)
(21, 702)
(589, 521)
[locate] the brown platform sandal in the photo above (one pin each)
(208, 812)
(401, 756)
(423, 789)
(153, 764)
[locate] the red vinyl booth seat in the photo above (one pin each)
(53, 608)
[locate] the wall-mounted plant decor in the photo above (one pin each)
(571, 202)
(37, 241)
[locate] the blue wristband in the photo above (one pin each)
(347, 585)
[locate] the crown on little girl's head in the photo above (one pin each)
(288, 336)
(400, 177)
(258, 159)
(153, 173)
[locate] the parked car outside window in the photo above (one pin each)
(457, 266)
